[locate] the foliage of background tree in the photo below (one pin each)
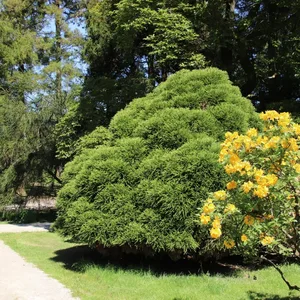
(132, 46)
(256, 42)
(141, 184)
(38, 79)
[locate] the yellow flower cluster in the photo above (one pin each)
(297, 167)
(215, 231)
(204, 219)
(261, 191)
(256, 162)
(269, 115)
(230, 208)
(252, 132)
(229, 244)
(271, 143)
(267, 240)
(208, 207)
(247, 186)
(249, 220)
(282, 119)
(220, 195)
(231, 185)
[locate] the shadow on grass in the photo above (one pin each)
(80, 258)
(261, 296)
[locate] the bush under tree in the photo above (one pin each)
(140, 184)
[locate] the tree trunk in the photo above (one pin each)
(226, 50)
(58, 48)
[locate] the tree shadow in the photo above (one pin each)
(80, 258)
(262, 296)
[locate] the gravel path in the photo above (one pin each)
(20, 280)
(24, 227)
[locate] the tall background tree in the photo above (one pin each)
(133, 45)
(130, 46)
(37, 79)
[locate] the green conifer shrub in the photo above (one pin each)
(142, 180)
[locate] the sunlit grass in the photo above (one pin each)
(89, 280)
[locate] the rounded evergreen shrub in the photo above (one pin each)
(139, 183)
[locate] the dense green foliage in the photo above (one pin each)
(129, 47)
(141, 184)
(256, 42)
(132, 46)
(38, 80)
(48, 111)
(24, 216)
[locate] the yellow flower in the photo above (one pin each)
(284, 119)
(230, 169)
(268, 180)
(271, 179)
(237, 144)
(262, 140)
(248, 220)
(262, 180)
(261, 191)
(244, 238)
(297, 168)
(272, 143)
(247, 186)
(230, 208)
(222, 155)
(267, 240)
(230, 136)
(229, 244)
(234, 159)
(216, 223)
(208, 208)
(215, 233)
(247, 166)
(249, 143)
(239, 167)
(258, 174)
(252, 132)
(231, 185)
(285, 144)
(293, 146)
(204, 219)
(220, 195)
(269, 115)
(296, 128)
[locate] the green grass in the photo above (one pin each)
(70, 264)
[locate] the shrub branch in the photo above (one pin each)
(291, 287)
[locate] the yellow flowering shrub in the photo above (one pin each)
(259, 210)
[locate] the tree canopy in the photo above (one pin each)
(38, 80)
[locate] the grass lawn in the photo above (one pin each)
(72, 265)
